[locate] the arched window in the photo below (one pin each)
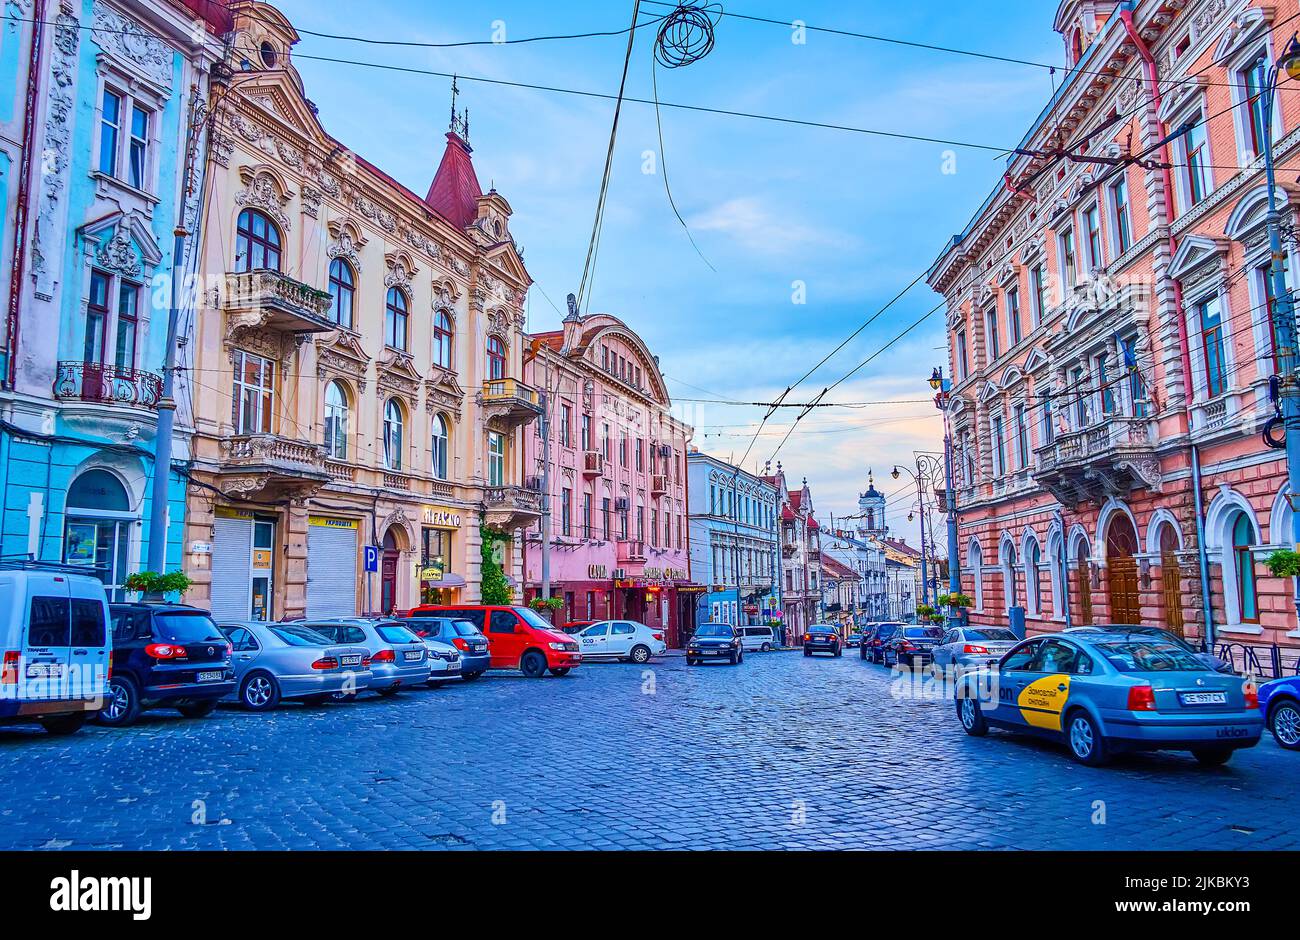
(975, 562)
(395, 320)
(257, 242)
(1009, 576)
(496, 358)
(442, 339)
(1243, 537)
(393, 435)
(342, 292)
(1033, 564)
(440, 442)
(336, 421)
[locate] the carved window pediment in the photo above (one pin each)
(346, 241)
(265, 189)
(396, 373)
(342, 355)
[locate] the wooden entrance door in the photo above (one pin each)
(1121, 546)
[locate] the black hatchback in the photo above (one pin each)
(822, 638)
(874, 640)
(165, 656)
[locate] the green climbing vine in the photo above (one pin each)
(496, 548)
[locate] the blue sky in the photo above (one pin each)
(853, 217)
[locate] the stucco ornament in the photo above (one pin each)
(124, 39)
(119, 255)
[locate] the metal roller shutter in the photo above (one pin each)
(331, 568)
(232, 552)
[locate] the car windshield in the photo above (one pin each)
(395, 633)
(533, 619)
(1153, 655)
(887, 631)
(464, 628)
(180, 627)
(713, 629)
(923, 633)
(300, 636)
(994, 636)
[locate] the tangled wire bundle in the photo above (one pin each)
(686, 34)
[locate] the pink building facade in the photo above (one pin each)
(617, 480)
(1111, 334)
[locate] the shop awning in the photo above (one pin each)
(449, 580)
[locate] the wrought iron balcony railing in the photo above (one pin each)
(109, 385)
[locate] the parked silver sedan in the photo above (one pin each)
(397, 656)
(274, 661)
(962, 648)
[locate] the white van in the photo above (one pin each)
(758, 638)
(55, 645)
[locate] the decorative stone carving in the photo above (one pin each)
(58, 134)
(119, 255)
(124, 39)
(400, 270)
(263, 191)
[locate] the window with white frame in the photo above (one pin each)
(126, 127)
(1252, 80)
(497, 459)
(1068, 259)
(999, 445)
(1038, 291)
(1013, 315)
(1122, 227)
(254, 393)
(1022, 437)
(993, 346)
(336, 421)
(1092, 237)
(1194, 177)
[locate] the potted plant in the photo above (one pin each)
(546, 603)
(1284, 563)
(956, 600)
(154, 586)
(924, 611)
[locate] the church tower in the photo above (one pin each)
(871, 510)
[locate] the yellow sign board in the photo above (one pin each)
(442, 517)
(326, 522)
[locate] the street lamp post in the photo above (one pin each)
(943, 393)
(928, 469)
(1284, 309)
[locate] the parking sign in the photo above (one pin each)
(372, 558)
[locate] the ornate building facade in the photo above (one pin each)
(1111, 335)
(618, 486)
(101, 112)
(356, 367)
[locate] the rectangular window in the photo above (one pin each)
(1013, 315)
(1211, 317)
(1078, 388)
(496, 459)
(1092, 229)
(604, 440)
(110, 128)
(96, 318)
(1105, 383)
(139, 147)
(566, 425)
(1022, 437)
(1119, 205)
(586, 515)
(586, 432)
(566, 511)
(1253, 79)
(640, 455)
(654, 528)
(1196, 157)
(128, 299)
(999, 447)
(1038, 284)
(254, 393)
(1137, 391)
(1069, 264)
(604, 518)
(1049, 429)
(992, 342)
(622, 450)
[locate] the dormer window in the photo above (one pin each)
(268, 55)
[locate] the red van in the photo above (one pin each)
(518, 638)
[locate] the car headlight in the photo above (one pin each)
(559, 646)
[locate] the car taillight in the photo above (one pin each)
(326, 662)
(659, 637)
(383, 656)
(1141, 698)
(905, 645)
(165, 651)
(9, 674)
(460, 644)
(1251, 691)
(972, 648)
(365, 662)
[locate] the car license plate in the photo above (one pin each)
(44, 670)
(414, 656)
(214, 676)
(453, 667)
(1203, 698)
(351, 660)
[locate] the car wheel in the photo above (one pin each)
(561, 670)
(1212, 756)
(838, 651)
(862, 652)
(807, 651)
(731, 658)
(765, 648)
(691, 662)
(198, 709)
(533, 665)
(63, 724)
(1284, 722)
(1087, 746)
(640, 654)
(740, 657)
(123, 707)
(471, 676)
(261, 693)
(972, 717)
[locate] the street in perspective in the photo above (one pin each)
(651, 426)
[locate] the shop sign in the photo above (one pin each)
(432, 570)
(262, 558)
(665, 574)
(597, 572)
(442, 517)
(325, 522)
(225, 512)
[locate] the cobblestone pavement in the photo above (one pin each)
(716, 757)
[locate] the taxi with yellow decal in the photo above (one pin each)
(1104, 693)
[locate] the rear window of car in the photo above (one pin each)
(395, 633)
(176, 627)
(994, 636)
(1148, 656)
(816, 629)
(300, 636)
(887, 630)
(932, 633)
(465, 628)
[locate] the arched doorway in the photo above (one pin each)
(1121, 567)
(1082, 566)
(392, 552)
(97, 530)
(1170, 578)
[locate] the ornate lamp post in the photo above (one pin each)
(943, 394)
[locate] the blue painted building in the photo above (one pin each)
(733, 527)
(97, 101)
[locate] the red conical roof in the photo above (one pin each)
(455, 191)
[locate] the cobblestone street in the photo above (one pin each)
(716, 757)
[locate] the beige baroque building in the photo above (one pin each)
(354, 366)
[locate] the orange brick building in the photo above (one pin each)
(1111, 337)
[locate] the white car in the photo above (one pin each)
(621, 639)
(762, 639)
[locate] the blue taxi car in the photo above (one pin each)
(1108, 692)
(1279, 703)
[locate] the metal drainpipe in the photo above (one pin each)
(24, 194)
(1126, 16)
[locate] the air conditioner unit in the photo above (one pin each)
(620, 574)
